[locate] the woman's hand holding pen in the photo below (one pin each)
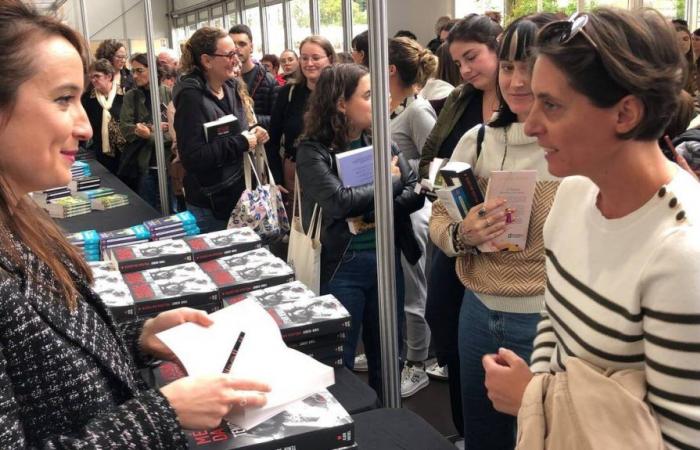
(202, 402)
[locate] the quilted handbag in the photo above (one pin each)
(260, 208)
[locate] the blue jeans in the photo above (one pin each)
(206, 220)
(483, 331)
(355, 286)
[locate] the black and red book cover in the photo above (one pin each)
(309, 317)
(217, 244)
(162, 289)
(331, 340)
(247, 271)
(149, 255)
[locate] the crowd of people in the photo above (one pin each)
(597, 105)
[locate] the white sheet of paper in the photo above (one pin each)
(262, 356)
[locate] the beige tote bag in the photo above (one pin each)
(304, 253)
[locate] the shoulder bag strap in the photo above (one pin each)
(248, 168)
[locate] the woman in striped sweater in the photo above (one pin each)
(622, 239)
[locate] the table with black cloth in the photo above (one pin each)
(400, 429)
(136, 212)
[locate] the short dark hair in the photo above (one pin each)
(272, 59)
(637, 54)
(140, 58)
(406, 33)
(241, 29)
(476, 28)
(102, 65)
(323, 122)
(360, 43)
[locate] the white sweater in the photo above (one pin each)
(625, 293)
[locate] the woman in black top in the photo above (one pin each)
(115, 52)
(68, 373)
(208, 91)
(103, 104)
(287, 120)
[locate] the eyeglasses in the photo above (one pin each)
(231, 55)
(139, 70)
(97, 76)
(565, 30)
(120, 57)
(314, 58)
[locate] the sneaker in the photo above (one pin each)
(436, 371)
(360, 363)
(413, 379)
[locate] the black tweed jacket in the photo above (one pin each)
(68, 379)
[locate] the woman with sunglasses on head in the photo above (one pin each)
(338, 118)
(504, 290)
(622, 240)
(206, 92)
(287, 118)
(137, 163)
(115, 52)
(103, 104)
(68, 373)
(473, 43)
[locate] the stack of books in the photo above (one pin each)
(43, 198)
(178, 225)
(84, 183)
(109, 284)
(88, 242)
(217, 244)
(65, 207)
(149, 255)
(247, 271)
(80, 169)
(316, 422)
(162, 289)
(94, 193)
(316, 326)
(125, 236)
(109, 202)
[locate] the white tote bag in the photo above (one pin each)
(305, 247)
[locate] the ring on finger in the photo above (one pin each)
(243, 402)
(482, 212)
(488, 222)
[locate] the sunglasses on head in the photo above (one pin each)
(563, 31)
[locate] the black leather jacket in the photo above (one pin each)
(320, 184)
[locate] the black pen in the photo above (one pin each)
(234, 352)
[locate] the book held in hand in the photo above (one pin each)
(518, 188)
(356, 167)
(222, 127)
(461, 174)
(455, 201)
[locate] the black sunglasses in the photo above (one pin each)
(563, 31)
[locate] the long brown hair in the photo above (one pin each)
(21, 30)
(414, 64)
(323, 122)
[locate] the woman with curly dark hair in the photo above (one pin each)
(114, 51)
(338, 117)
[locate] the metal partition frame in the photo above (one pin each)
(384, 202)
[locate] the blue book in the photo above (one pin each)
(356, 167)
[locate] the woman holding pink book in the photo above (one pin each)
(504, 290)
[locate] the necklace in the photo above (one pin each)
(505, 146)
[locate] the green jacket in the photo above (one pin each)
(453, 109)
(137, 152)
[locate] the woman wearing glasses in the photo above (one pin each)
(103, 104)
(287, 119)
(208, 91)
(622, 240)
(115, 52)
(504, 291)
(137, 164)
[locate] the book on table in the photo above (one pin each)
(518, 188)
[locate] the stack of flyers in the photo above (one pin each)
(84, 183)
(125, 236)
(110, 286)
(94, 193)
(216, 244)
(88, 242)
(247, 271)
(162, 289)
(43, 198)
(149, 255)
(316, 326)
(178, 225)
(109, 202)
(68, 207)
(80, 169)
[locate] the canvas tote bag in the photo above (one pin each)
(304, 253)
